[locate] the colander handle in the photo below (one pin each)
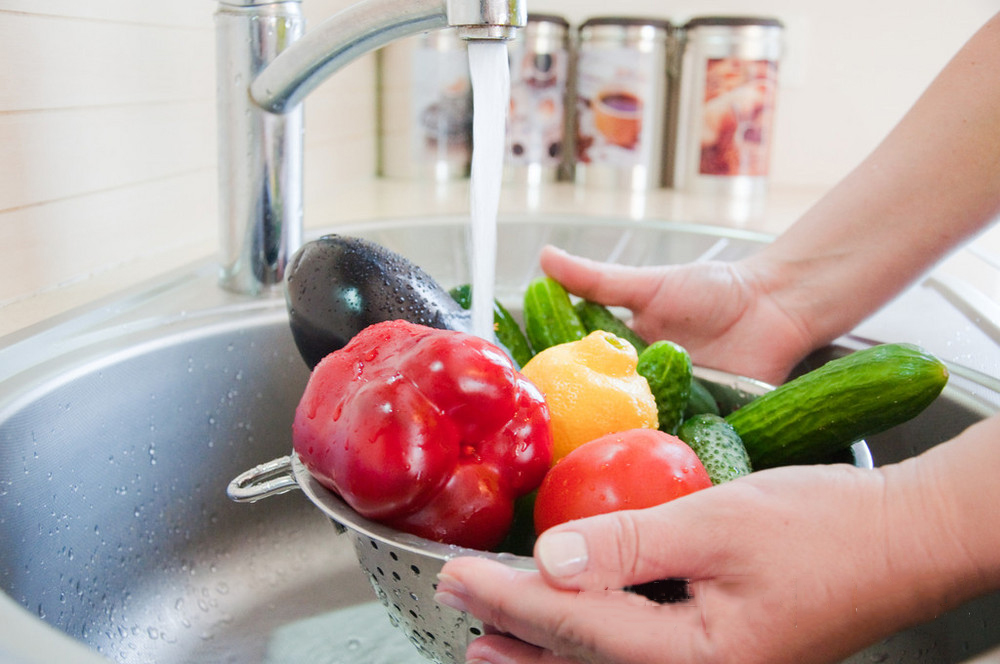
(267, 479)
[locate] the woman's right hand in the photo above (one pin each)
(724, 314)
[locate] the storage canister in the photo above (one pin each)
(539, 74)
(621, 88)
(425, 114)
(728, 90)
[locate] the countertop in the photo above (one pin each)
(970, 277)
(400, 199)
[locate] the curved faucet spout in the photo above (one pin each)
(260, 134)
(368, 25)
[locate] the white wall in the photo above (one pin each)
(107, 137)
(107, 120)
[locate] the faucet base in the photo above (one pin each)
(260, 154)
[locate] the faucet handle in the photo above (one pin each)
(487, 19)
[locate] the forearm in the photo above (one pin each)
(932, 184)
(940, 515)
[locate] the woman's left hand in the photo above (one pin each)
(798, 565)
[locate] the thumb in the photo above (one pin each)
(604, 283)
(625, 548)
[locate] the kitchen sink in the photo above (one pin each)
(121, 425)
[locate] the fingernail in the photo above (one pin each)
(451, 593)
(562, 554)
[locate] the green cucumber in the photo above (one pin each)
(504, 324)
(666, 366)
(700, 400)
(520, 539)
(717, 444)
(549, 317)
(596, 316)
(814, 416)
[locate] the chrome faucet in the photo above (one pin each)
(266, 66)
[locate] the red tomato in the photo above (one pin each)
(631, 469)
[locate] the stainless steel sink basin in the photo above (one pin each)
(121, 425)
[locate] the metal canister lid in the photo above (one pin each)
(625, 21)
(624, 29)
(545, 32)
(733, 22)
(547, 18)
(748, 37)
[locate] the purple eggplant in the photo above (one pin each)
(337, 285)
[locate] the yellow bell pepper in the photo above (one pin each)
(592, 389)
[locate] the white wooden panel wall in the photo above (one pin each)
(107, 137)
(107, 121)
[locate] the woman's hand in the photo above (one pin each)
(927, 188)
(801, 565)
(724, 314)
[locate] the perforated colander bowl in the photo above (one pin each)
(403, 568)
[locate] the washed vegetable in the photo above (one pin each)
(337, 286)
(549, 317)
(508, 332)
(717, 444)
(432, 432)
(814, 416)
(700, 400)
(666, 366)
(630, 469)
(592, 389)
(596, 316)
(520, 539)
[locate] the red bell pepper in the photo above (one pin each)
(433, 432)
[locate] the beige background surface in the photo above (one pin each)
(107, 130)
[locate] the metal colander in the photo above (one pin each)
(403, 568)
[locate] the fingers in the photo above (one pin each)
(626, 548)
(565, 625)
(498, 649)
(583, 566)
(605, 283)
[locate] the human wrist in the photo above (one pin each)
(940, 545)
(965, 468)
(788, 285)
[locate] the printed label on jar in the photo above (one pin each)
(737, 116)
(537, 107)
(612, 91)
(442, 105)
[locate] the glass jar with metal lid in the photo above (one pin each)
(728, 91)
(539, 75)
(621, 102)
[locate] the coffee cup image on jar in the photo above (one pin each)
(618, 116)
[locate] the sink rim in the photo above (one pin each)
(128, 322)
